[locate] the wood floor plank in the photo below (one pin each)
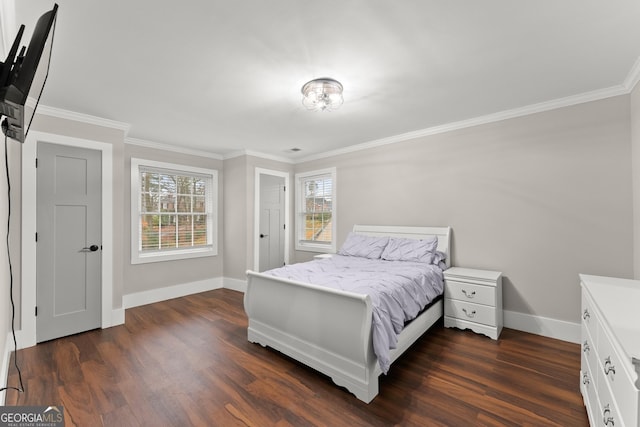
(187, 361)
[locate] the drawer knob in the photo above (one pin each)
(585, 379)
(469, 294)
(609, 367)
(586, 314)
(470, 315)
(606, 418)
(585, 347)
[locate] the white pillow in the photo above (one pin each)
(363, 246)
(401, 249)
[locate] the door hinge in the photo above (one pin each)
(36, 162)
(36, 237)
(284, 188)
(36, 310)
(284, 226)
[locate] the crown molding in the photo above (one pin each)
(476, 121)
(258, 154)
(633, 77)
(235, 154)
(173, 148)
(78, 117)
(630, 82)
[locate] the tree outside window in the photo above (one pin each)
(175, 214)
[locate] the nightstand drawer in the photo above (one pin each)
(471, 312)
(470, 292)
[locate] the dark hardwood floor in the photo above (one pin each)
(187, 362)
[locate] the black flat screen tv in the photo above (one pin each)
(23, 75)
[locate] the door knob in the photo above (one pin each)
(262, 236)
(92, 248)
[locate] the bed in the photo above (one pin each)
(330, 329)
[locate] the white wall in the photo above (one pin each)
(235, 217)
(635, 160)
(150, 277)
(541, 198)
(239, 173)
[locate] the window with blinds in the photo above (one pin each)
(175, 216)
(316, 218)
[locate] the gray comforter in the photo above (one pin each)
(399, 290)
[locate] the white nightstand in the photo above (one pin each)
(473, 300)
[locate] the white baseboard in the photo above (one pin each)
(235, 284)
(6, 358)
(547, 327)
(162, 294)
(117, 316)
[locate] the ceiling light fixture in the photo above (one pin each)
(323, 94)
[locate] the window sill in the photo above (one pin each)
(143, 258)
(309, 247)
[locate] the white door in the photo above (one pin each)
(272, 222)
(68, 253)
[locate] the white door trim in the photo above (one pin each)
(27, 331)
(256, 214)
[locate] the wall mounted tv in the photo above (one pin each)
(23, 75)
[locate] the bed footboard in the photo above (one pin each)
(326, 329)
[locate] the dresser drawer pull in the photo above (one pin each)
(608, 367)
(585, 347)
(469, 294)
(606, 419)
(586, 314)
(585, 379)
(470, 315)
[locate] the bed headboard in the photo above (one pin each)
(443, 233)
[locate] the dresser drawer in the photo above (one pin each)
(589, 317)
(470, 312)
(617, 376)
(588, 389)
(470, 292)
(608, 414)
(611, 320)
(588, 348)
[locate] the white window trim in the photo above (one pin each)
(316, 247)
(137, 257)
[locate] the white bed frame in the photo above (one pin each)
(328, 329)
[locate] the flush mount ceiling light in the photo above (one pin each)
(322, 94)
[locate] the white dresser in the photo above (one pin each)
(610, 365)
(473, 300)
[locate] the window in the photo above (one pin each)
(173, 214)
(316, 211)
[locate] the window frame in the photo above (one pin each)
(302, 244)
(211, 199)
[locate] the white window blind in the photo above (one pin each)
(316, 210)
(175, 216)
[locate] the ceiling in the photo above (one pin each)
(223, 76)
